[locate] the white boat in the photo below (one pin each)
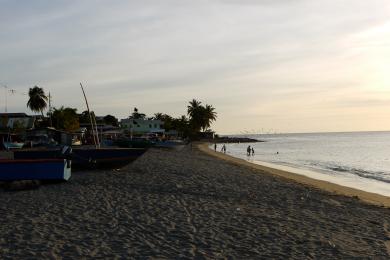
(12, 145)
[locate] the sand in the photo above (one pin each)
(171, 204)
(365, 196)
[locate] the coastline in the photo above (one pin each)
(368, 197)
(187, 204)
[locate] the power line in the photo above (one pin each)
(7, 91)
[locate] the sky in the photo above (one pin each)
(265, 65)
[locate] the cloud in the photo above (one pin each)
(230, 53)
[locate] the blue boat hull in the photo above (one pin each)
(43, 169)
(87, 157)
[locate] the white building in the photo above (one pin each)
(142, 126)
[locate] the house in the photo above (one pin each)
(142, 126)
(49, 135)
(16, 120)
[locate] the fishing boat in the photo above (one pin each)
(8, 143)
(12, 145)
(105, 157)
(37, 169)
(86, 157)
(134, 142)
(170, 144)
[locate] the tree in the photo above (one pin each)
(111, 120)
(136, 115)
(201, 116)
(66, 119)
(84, 117)
(193, 107)
(209, 116)
(158, 116)
(167, 121)
(37, 99)
(181, 124)
(194, 111)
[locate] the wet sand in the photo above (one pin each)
(188, 204)
(369, 197)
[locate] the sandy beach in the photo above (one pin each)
(369, 197)
(189, 204)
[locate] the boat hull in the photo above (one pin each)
(105, 157)
(87, 157)
(135, 143)
(40, 169)
(12, 145)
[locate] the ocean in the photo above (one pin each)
(359, 160)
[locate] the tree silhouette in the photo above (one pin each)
(193, 107)
(111, 120)
(37, 99)
(136, 115)
(84, 117)
(158, 116)
(209, 115)
(66, 119)
(201, 116)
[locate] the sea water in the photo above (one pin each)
(359, 159)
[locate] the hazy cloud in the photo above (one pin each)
(253, 57)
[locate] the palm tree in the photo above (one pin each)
(136, 115)
(37, 99)
(209, 115)
(158, 116)
(194, 111)
(193, 108)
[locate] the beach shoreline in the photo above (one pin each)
(368, 197)
(187, 204)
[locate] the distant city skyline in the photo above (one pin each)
(282, 66)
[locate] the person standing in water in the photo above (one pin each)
(215, 147)
(223, 149)
(253, 151)
(248, 150)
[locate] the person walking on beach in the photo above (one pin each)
(248, 150)
(223, 149)
(215, 147)
(253, 151)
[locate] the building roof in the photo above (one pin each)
(13, 115)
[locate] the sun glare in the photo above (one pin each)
(375, 57)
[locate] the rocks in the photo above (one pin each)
(227, 139)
